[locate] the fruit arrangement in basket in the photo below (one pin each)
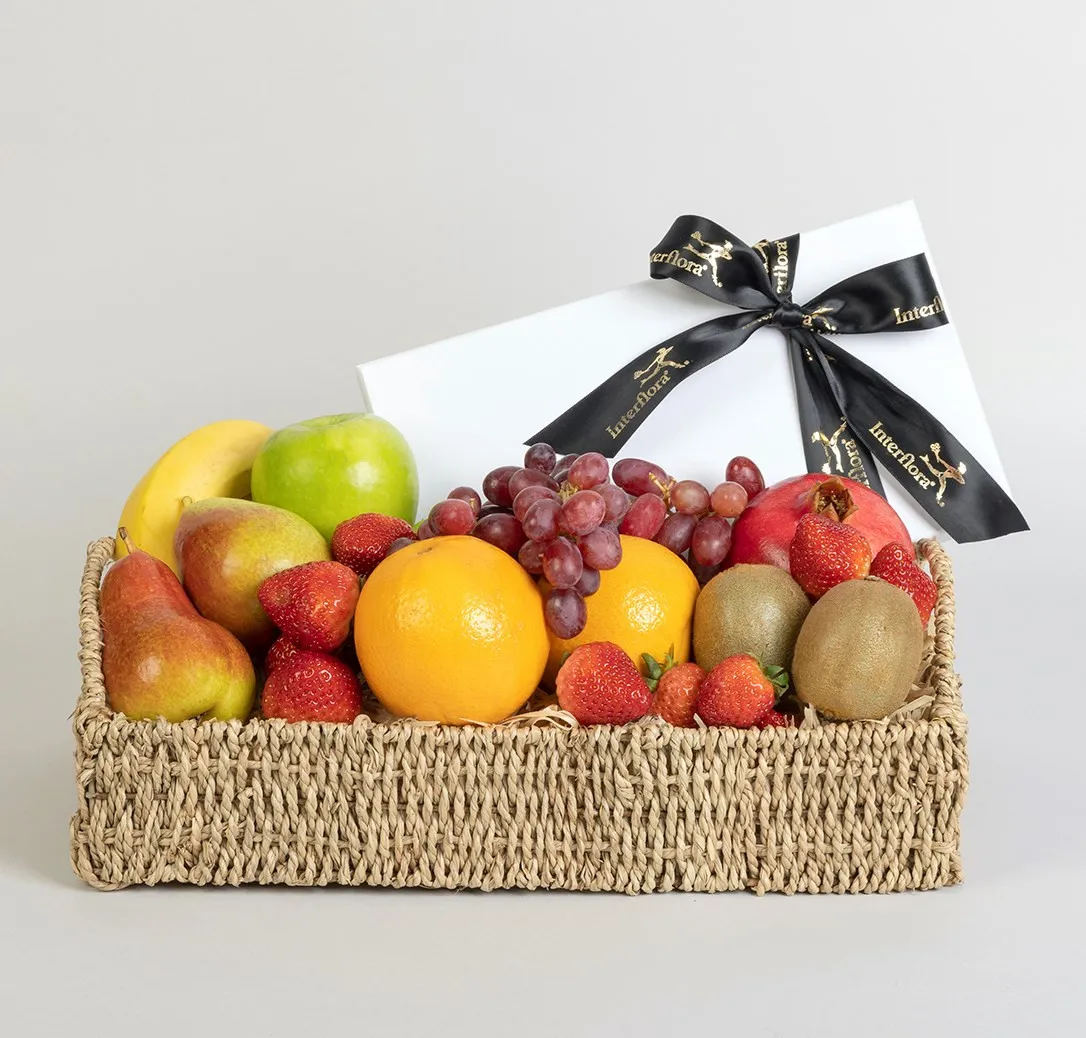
(283, 575)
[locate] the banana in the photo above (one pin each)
(213, 461)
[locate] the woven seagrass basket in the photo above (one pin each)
(867, 806)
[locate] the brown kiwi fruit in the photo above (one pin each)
(753, 609)
(858, 652)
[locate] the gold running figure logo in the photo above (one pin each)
(659, 362)
(956, 473)
(715, 252)
(829, 445)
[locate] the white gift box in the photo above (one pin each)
(742, 404)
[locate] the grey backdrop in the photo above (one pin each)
(216, 209)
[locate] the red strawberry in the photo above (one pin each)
(600, 684)
(739, 693)
(363, 542)
(312, 686)
(896, 564)
(283, 650)
(776, 719)
(313, 605)
(675, 689)
(826, 552)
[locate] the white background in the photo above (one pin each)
(216, 209)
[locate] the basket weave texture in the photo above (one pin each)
(857, 807)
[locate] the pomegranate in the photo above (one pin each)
(763, 533)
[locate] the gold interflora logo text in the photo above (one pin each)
(779, 270)
(833, 445)
(903, 457)
(658, 374)
(712, 253)
(907, 461)
(905, 316)
(677, 260)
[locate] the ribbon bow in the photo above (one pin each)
(849, 413)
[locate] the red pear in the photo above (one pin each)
(228, 547)
(160, 657)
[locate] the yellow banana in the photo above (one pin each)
(213, 461)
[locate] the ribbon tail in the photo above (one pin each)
(829, 444)
(606, 418)
(929, 462)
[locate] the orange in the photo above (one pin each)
(644, 604)
(451, 629)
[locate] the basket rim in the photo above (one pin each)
(93, 710)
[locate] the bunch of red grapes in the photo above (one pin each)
(561, 519)
(684, 516)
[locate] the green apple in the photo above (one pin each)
(330, 469)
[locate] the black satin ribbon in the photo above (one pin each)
(850, 415)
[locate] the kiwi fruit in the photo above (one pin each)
(753, 609)
(858, 652)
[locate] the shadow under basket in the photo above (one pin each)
(856, 807)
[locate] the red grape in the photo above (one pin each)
(615, 499)
(562, 563)
(601, 549)
(729, 500)
(703, 574)
(451, 518)
(540, 456)
(639, 477)
(644, 517)
(528, 497)
(493, 510)
(561, 470)
(588, 470)
(744, 472)
(589, 583)
(711, 540)
(496, 485)
(522, 478)
(503, 531)
(400, 542)
(426, 531)
(469, 495)
(676, 532)
(565, 612)
(582, 513)
(530, 557)
(690, 497)
(541, 520)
